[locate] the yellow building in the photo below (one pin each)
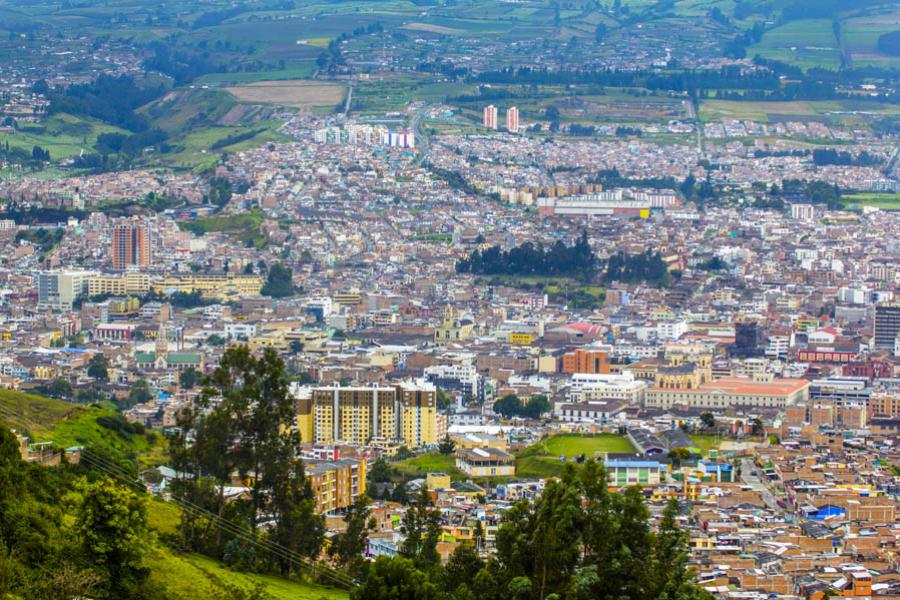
(44, 372)
(520, 339)
(347, 298)
(275, 341)
(336, 483)
(222, 287)
(125, 306)
(485, 462)
(453, 328)
(119, 285)
(406, 413)
(438, 481)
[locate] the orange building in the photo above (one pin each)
(130, 246)
(884, 405)
(585, 361)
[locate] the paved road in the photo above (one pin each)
(757, 484)
(422, 140)
(349, 98)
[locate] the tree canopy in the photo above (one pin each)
(278, 283)
(242, 423)
(577, 260)
(577, 540)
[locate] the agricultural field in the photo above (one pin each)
(294, 94)
(807, 43)
(834, 111)
(861, 33)
(302, 70)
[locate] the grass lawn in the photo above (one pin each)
(420, 466)
(565, 290)
(541, 460)
(244, 226)
(706, 442)
(589, 445)
(882, 201)
(538, 467)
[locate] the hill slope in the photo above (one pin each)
(34, 414)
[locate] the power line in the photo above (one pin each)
(119, 473)
(226, 525)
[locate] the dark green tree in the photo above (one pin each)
(421, 526)
(138, 394)
(508, 406)
(189, 378)
(278, 282)
(395, 579)
(98, 367)
(535, 407)
(463, 566)
(350, 544)
(757, 427)
(380, 472)
(447, 445)
(112, 525)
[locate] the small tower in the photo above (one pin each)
(161, 357)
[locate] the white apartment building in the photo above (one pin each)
(586, 387)
(59, 289)
(671, 330)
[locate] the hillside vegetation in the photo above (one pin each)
(33, 414)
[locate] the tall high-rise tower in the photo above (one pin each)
(490, 117)
(130, 246)
(512, 119)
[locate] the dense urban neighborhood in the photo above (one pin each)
(523, 300)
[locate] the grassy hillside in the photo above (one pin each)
(182, 576)
(188, 576)
(196, 120)
(420, 466)
(33, 414)
(543, 458)
(62, 135)
(198, 576)
(103, 430)
(66, 425)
